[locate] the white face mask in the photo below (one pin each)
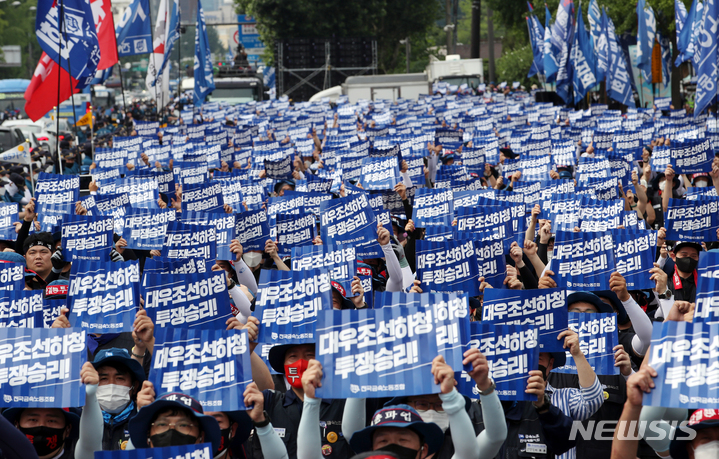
(113, 398)
(701, 183)
(662, 185)
(707, 450)
(439, 418)
(252, 258)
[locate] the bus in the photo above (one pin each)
(12, 95)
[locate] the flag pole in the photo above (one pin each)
(57, 108)
(122, 86)
(152, 57)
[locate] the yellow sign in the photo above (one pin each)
(86, 120)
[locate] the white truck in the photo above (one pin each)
(456, 71)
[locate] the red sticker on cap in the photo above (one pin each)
(364, 271)
(56, 290)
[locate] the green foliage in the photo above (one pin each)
(514, 66)
(17, 27)
(388, 21)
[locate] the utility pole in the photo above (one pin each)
(448, 22)
(476, 18)
(490, 39)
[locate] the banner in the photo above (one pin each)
(449, 266)
(187, 241)
(87, 236)
(598, 334)
(198, 451)
(134, 33)
(685, 356)
(511, 351)
(197, 300)
(203, 198)
(696, 220)
(19, 154)
(340, 260)
(544, 309)
(252, 230)
(21, 308)
(294, 231)
(583, 260)
(450, 312)
(146, 229)
(224, 229)
(40, 367)
(104, 296)
(371, 353)
(433, 207)
(12, 276)
(288, 303)
(211, 366)
(634, 255)
(350, 220)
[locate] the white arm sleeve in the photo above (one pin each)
(406, 179)
(641, 324)
(353, 417)
(272, 445)
(394, 283)
(245, 276)
(460, 425)
(491, 439)
(91, 426)
(309, 439)
(242, 303)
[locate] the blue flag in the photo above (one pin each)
(646, 33)
(548, 53)
(252, 230)
(583, 260)
(134, 31)
(58, 352)
(71, 23)
(450, 312)
(685, 31)
(197, 300)
(204, 81)
(619, 86)
(87, 236)
(187, 241)
(599, 41)
(583, 62)
(598, 334)
(449, 266)
(562, 39)
(211, 366)
(546, 310)
(197, 451)
(685, 356)
(512, 351)
(536, 39)
(288, 303)
(104, 296)
(707, 72)
(695, 220)
(371, 353)
(21, 308)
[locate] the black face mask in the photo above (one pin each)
(686, 264)
(400, 451)
(44, 439)
(543, 369)
(224, 440)
(172, 438)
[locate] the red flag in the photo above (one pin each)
(41, 94)
(105, 27)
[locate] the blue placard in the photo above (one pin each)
(294, 231)
(252, 230)
(685, 356)
(21, 308)
(449, 266)
(692, 156)
(224, 229)
(56, 191)
(696, 220)
(146, 229)
(545, 309)
(707, 296)
(104, 296)
(203, 198)
(190, 172)
(450, 312)
(198, 300)
(159, 265)
(491, 263)
(114, 205)
(486, 220)
(12, 276)
(583, 261)
(40, 367)
(87, 236)
(211, 366)
(8, 216)
(512, 351)
(598, 334)
(371, 353)
(278, 170)
(288, 303)
(634, 255)
(379, 173)
(350, 220)
(187, 241)
(433, 207)
(341, 260)
(143, 192)
(198, 451)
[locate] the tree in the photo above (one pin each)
(514, 66)
(388, 21)
(17, 27)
